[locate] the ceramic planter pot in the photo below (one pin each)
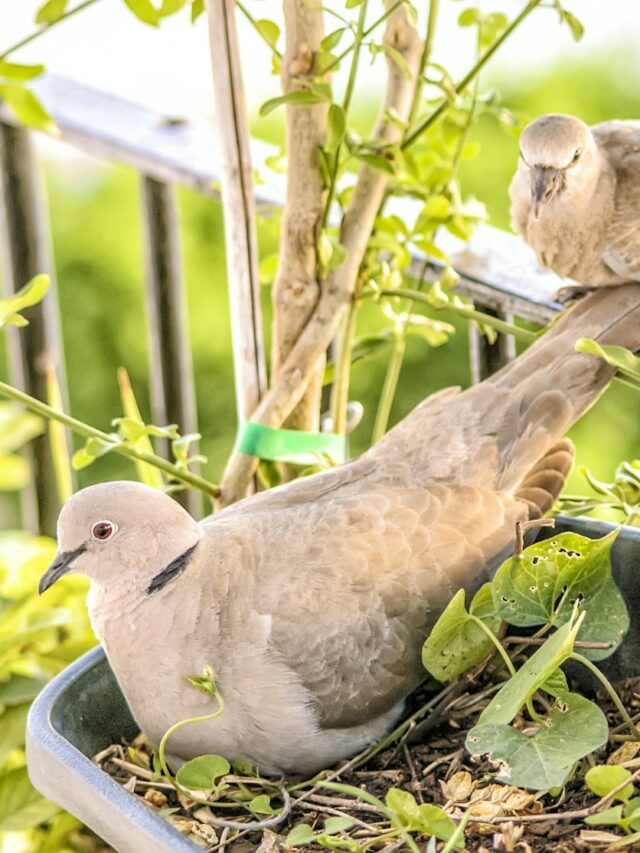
(82, 712)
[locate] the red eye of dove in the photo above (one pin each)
(103, 530)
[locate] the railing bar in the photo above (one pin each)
(485, 357)
(26, 253)
(172, 383)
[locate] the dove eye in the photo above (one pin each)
(576, 155)
(103, 530)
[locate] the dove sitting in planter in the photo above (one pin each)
(576, 198)
(311, 602)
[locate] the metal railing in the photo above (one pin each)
(497, 270)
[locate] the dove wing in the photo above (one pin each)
(354, 638)
(621, 143)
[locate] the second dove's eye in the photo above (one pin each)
(103, 530)
(576, 155)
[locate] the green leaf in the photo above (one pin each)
(336, 127)
(299, 97)
(197, 9)
(437, 207)
(351, 4)
(333, 825)
(376, 162)
(21, 806)
(93, 449)
(543, 584)
(269, 31)
(363, 347)
(12, 727)
(395, 56)
(202, 773)
(29, 295)
(205, 683)
(170, 7)
(19, 688)
(51, 11)
(574, 728)
(301, 834)
(14, 71)
(532, 675)
(427, 818)
(469, 17)
(262, 805)
(607, 817)
(603, 778)
(332, 40)
(626, 362)
(576, 26)
(15, 472)
(145, 11)
(456, 642)
(26, 107)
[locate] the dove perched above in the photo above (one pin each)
(576, 198)
(311, 601)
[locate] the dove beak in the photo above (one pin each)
(60, 566)
(545, 182)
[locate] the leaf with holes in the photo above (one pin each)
(543, 583)
(574, 728)
(457, 642)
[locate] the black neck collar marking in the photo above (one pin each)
(175, 568)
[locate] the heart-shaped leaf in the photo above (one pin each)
(202, 773)
(543, 584)
(457, 642)
(574, 728)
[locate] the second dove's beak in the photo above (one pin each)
(545, 182)
(60, 566)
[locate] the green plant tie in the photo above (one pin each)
(289, 445)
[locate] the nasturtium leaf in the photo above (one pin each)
(457, 642)
(21, 806)
(574, 728)
(532, 675)
(606, 817)
(333, 825)
(301, 834)
(299, 97)
(203, 772)
(51, 11)
(556, 684)
(604, 778)
(543, 584)
(425, 817)
(376, 162)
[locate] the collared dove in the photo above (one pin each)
(576, 198)
(311, 601)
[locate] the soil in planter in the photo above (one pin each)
(429, 762)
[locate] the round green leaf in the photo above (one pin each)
(202, 773)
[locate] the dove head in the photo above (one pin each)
(561, 155)
(122, 532)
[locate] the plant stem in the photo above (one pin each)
(486, 56)
(387, 13)
(424, 59)
(88, 431)
(465, 311)
(340, 387)
(254, 24)
(33, 36)
(496, 642)
(389, 388)
(346, 102)
(602, 678)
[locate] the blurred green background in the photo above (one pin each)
(97, 238)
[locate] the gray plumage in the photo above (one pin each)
(576, 198)
(311, 602)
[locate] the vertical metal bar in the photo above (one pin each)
(485, 357)
(26, 251)
(172, 385)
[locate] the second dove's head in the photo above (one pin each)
(121, 532)
(559, 152)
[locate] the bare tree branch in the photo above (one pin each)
(337, 290)
(296, 289)
(239, 209)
